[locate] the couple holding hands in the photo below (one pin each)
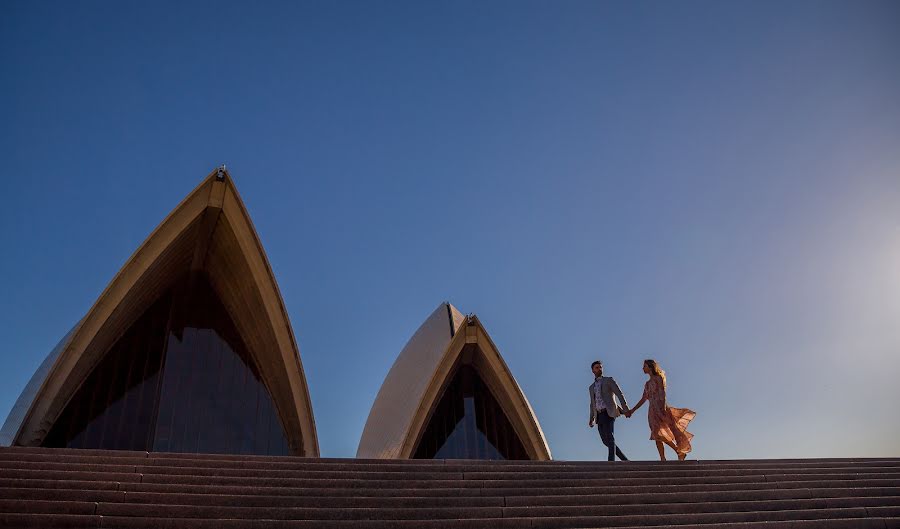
(668, 426)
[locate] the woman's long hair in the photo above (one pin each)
(656, 370)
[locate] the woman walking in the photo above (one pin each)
(667, 425)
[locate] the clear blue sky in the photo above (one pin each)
(712, 184)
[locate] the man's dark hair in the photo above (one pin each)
(596, 363)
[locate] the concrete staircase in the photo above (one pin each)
(62, 488)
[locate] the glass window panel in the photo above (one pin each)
(180, 379)
(468, 423)
(220, 390)
(95, 401)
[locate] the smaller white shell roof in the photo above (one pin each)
(405, 384)
(415, 382)
(17, 414)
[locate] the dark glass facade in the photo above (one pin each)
(179, 380)
(468, 423)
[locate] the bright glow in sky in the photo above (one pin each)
(712, 184)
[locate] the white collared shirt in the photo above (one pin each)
(599, 405)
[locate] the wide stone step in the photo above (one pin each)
(500, 491)
(81, 455)
(70, 475)
(49, 521)
(80, 452)
(155, 498)
(202, 467)
(712, 518)
(9, 468)
(59, 484)
(26, 493)
(644, 498)
(502, 501)
(98, 522)
(518, 492)
(883, 495)
(768, 510)
(354, 482)
(256, 463)
(301, 487)
(224, 512)
(579, 490)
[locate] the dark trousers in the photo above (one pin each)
(606, 425)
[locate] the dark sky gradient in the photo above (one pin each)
(713, 184)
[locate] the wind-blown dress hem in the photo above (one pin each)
(667, 424)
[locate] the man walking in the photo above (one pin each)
(605, 408)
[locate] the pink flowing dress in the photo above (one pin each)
(667, 424)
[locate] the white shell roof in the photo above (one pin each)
(414, 384)
(26, 398)
(405, 384)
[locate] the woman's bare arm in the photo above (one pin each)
(636, 406)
